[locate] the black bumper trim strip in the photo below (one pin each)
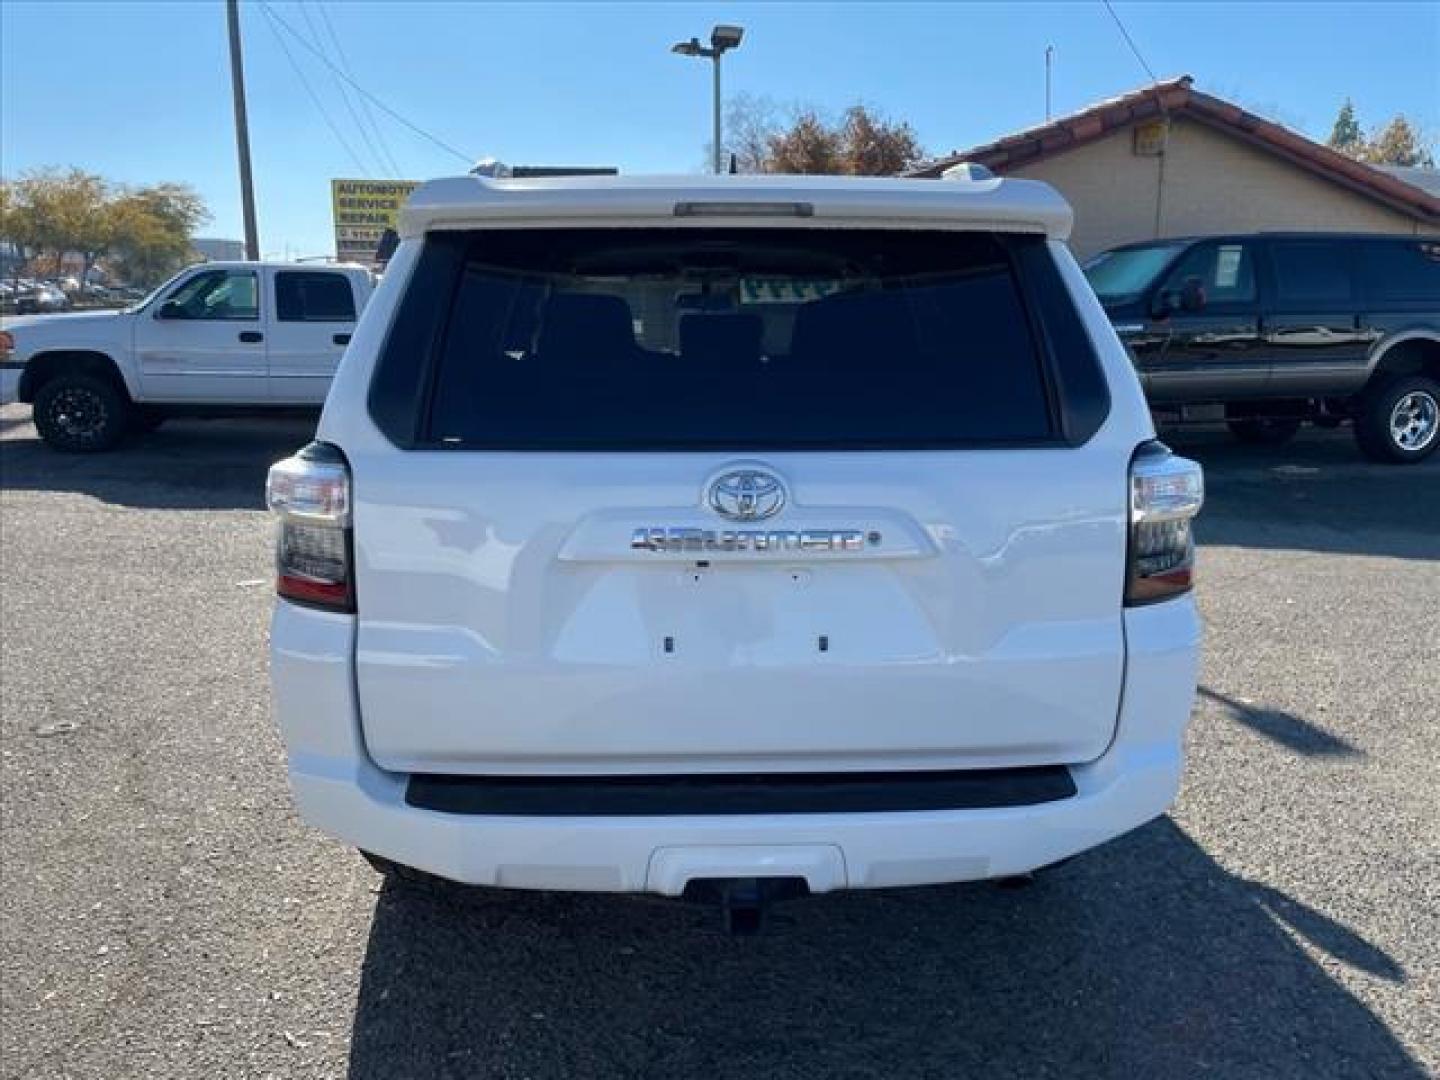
(766, 793)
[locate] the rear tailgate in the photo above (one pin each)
(829, 516)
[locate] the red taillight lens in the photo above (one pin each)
(1166, 492)
(310, 493)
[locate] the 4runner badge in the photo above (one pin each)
(749, 495)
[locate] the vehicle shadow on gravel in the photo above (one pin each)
(185, 465)
(1144, 958)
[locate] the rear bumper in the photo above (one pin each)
(339, 789)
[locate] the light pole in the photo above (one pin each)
(722, 39)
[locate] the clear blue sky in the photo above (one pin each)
(140, 91)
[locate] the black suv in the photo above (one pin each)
(1274, 329)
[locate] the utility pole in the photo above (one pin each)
(242, 132)
(715, 61)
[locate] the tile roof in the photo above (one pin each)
(1178, 97)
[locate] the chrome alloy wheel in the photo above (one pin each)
(1414, 420)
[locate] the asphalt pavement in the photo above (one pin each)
(163, 913)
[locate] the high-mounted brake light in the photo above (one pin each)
(1166, 492)
(310, 493)
(741, 208)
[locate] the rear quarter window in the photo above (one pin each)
(698, 339)
(1403, 270)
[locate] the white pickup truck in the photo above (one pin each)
(217, 336)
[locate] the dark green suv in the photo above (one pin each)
(1272, 330)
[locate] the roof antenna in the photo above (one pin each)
(734, 164)
(1049, 52)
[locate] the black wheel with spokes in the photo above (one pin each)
(81, 414)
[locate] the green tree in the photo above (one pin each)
(62, 211)
(152, 229)
(1398, 143)
(18, 225)
(55, 211)
(1346, 135)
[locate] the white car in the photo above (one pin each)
(226, 336)
(738, 534)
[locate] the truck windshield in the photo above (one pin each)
(693, 338)
(141, 305)
(1121, 275)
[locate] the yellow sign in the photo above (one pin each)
(363, 210)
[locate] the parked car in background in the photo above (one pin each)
(687, 535)
(218, 336)
(1277, 329)
(39, 299)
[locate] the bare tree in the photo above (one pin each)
(860, 143)
(750, 123)
(874, 146)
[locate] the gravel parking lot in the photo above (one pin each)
(166, 915)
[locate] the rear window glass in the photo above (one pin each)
(309, 296)
(729, 338)
(1403, 270)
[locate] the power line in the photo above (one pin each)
(344, 95)
(314, 97)
(417, 129)
(1129, 41)
(364, 105)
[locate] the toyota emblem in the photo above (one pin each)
(747, 495)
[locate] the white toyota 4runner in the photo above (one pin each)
(216, 338)
(664, 533)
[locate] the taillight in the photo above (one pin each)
(1166, 493)
(310, 493)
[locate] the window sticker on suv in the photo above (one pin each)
(786, 290)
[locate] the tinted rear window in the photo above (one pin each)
(1403, 270)
(710, 339)
(309, 296)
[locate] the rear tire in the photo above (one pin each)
(1399, 420)
(81, 414)
(1263, 432)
